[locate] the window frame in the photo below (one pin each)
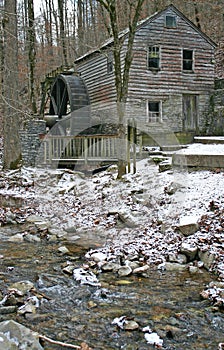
(151, 118)
(155, 52)
(184, 69)
(174, 22)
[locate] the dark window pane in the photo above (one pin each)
(153, 57)
(171, 22)
(187, 60)
(153, 112)
(187, 54)
(154, 106)
(153, 62)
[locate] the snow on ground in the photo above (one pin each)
(137, 216)
(204, 149)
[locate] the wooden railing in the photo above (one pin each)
(80, 148)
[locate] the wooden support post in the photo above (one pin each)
(140, 146)
(134, 132)
(86, 150)
(128, 147)
(50, 150)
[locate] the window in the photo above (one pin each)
(187, 60)
(110, 62)
(154, 57)
(154, 112)
(170, 22)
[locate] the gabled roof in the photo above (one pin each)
(145, 21)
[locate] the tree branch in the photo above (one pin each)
(51, 341)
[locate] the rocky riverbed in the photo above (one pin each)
(171, 221)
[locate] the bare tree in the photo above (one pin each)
(32, 54)
(122, 74)
(61, 6)
(11, 120)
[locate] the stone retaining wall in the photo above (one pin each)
(30, 141)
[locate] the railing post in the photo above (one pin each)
(134, 131)
(86, 150)
(128, 145)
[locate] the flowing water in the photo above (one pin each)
(169, 303)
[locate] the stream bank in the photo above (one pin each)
(130, 235)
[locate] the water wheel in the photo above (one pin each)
(69, 105)
(68, 93)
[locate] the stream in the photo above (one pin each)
(169, 303)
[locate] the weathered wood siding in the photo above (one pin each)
(170, 82)
(100, 85)
(166, 85)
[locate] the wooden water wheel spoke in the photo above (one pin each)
(54, 105)
(68, 93)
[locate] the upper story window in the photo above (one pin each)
(154, 57)
(188, 60)
(170, 21)
(110, 62)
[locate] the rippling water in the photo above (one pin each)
(167, 302)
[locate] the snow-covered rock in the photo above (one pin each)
(189, 249)
(188, 225)
(14, 335)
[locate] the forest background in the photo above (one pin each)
(37, 39)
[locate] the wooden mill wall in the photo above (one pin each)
(169, 83)
(166, 85)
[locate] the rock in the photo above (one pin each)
(10, 217)
(165, 165)
(124, 271)
(174, 267)
(68, 269)
(172, 188)
(98, 257)
(141, 269)
(110, 266)
(28, 307)
(119, 321)
(133, 264)
(70, 238)
(190, 250)
(207, 258)
(56, 232)
(85, 277)
(21, 288)
(154, 339)
(193, 269)
(6, 344)
(16, 238)
(127, 218)
(16, 336)
(42, 225)
(63, 250)
(34, 219)
(188, 225)
(7, 310)
(130, 325)
(31, 238)
(179, 258)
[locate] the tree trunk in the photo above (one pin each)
(12, 154)
(62, 30)
(122, 74)
(32, 54)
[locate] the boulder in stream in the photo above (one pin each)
(14, 336)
